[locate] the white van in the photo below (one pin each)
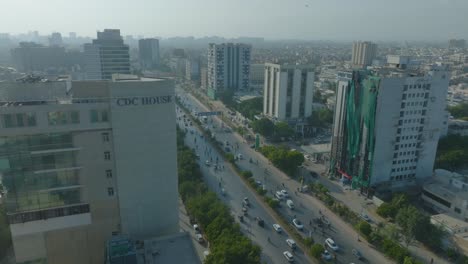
(291, 243)
(290, 204)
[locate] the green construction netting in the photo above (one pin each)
(360, 101)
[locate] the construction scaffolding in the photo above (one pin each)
(354, 145)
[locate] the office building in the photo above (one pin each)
(106, 55)
(446, 192)
(228, 67)
(84, 160)
(30, 56)
(288, 91)
(387, 125)
(192, 69)
(457, 44)
(148, 51)
(55, 39)
(363, 53)
(257, 76)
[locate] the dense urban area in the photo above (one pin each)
(127, 149)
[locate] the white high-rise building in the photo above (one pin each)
(288, 91)
(363, 53)
(228, 67)
(83, 160)
(387, 125)
(107, 55)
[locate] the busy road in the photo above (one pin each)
(318, 222)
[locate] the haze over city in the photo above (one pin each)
(272, 19)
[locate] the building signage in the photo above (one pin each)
(149, 100)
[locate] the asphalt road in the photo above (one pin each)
(235, 191)
(307, 207)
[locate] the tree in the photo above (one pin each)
(408, 218)
(318, 98)
(227, 97)
(459, 111)
(250, 108)
(264, 127)
(282, 129)
(316, 250)
(365, 228)
(321, 118)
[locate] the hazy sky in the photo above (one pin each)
(272, 19)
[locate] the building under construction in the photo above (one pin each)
(387, 125)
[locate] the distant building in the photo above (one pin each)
(457, 44)
(106, 55)
(257, 76)
(30, 56)
(447, 192)
(192, 69)
(288, 91)
(228, 67)
(458, 127)
(79, 161)
(148, 50)
(387, 126)
(55, 39)
(363, 54)
(204, 78)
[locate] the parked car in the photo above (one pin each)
(331, 244)
(365, 217)
(196, 228)
(277, 228)
(357, 254)
(279, 195)
(199, 238)
(207, 163)
(260, 221)
(298, 224)
(285, 193)
(288, 256)
(326, 255)
(291, 243)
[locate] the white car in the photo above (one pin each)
(240, 157)
(326, 255)
(196, 228)
(199, 238)
(291, 243)
(285, 193)
(298, 224)
(279, 195)
(331, 244)
(277, 228)
(207, 163)
(288, 256)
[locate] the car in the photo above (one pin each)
(279, 195)
(357, 254)
(223, 192)
(244, 210)
(259, 183)
(240, 157)
(199, 238)
(196, 228)
(252, 146)
(277, 228)
(365, 217)
(288, 256)
(313, 174)
(227, 149)
(207, 163)
(325, 221)
(260, 221)
(197, 155)
(285, 193)
(331, 244)
(298, 224)
(291, 243)
(326, 255)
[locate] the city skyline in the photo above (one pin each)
(310, 20)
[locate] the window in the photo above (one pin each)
(19, 120)
(107, 155)
(105, 137)
(75, 117)
(94, 117)
(104, 116)
(108, 174)
(110, 191)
